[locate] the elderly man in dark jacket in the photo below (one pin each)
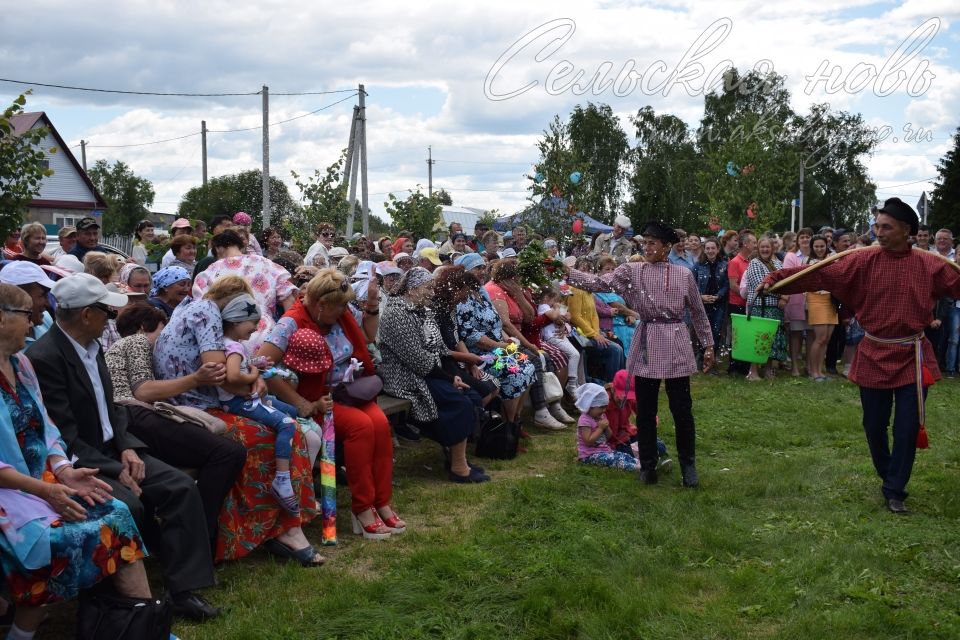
(78, 396)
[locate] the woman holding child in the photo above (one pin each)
(251, 515)
(318, 339)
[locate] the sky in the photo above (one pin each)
(477, 82)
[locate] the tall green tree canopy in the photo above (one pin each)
(601, 147)
(323, 198)
(945, 199)
(225, 195)
(22, 167)
(128, 196)
(663, 184)
(417, 213)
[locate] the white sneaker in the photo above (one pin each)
(557, 412)
(542, 418)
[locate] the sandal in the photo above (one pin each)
(394, 523)
(289, 503)
(307, 557)
(376, 530)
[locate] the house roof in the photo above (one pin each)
(23, 122)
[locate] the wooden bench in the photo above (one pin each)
(393, 406)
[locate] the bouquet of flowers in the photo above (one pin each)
(536, 268)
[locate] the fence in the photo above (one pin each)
(122, 242)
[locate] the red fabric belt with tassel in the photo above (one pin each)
(923, 379)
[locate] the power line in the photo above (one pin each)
(178, 94)
(894, 186)
(483, 162)
(190, 135)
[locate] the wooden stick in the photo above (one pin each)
(837, 256)
(815, 266)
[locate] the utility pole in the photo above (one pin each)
(83, 154)
(354, 164)
(430, 163)
(266, 156)
(803, 162)
(203, 137)
(363, 163)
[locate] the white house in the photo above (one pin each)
(66, 196)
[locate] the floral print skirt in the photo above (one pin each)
(250, 514)
(81, 553)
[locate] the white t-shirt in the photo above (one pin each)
(316, 248)
(551, 331)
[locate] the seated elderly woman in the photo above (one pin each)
(318, 339)
(192, 341)
(170, 286)
(217, 460)
(482, 331)
(443, 405)
(61, 531)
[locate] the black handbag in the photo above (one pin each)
(498, 438)
(102, 616)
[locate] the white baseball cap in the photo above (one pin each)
(82, 290)
(69, 262)
(338, 252)
(22, 272)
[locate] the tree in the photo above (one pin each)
(945, 199)
(128, 196)
(21, 167)
(554, 196)
(837, 188)
(663, 182)
(416, 213)
(599, 145)
(443, 197)
(225, 195)
(751, 159)
(324, 199)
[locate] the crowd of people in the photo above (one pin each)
(245, 363)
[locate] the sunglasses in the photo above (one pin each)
(110, 312)
(326, 234)
(26, 312)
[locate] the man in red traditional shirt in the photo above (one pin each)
(735, 271)
(895, 361)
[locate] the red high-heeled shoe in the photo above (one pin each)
(376, 530)
(394, 523)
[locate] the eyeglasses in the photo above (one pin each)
(326, 234)
(26, 312)
(110, 312)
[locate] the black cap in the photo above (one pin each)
(87, 223)
(900, 210)
(660, 231)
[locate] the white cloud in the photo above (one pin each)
(219, 47)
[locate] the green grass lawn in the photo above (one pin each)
(786, 538)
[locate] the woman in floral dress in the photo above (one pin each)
(51, 544)
(270, 282)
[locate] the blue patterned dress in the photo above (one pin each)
(477, 319)
(81, 554)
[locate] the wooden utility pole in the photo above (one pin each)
(83, 154)
(356, 166)
(430, 163)
(266, 156)
(203, 137)
(364, 191)
(803, 161)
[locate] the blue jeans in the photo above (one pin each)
(280, 417)
(610, 357)
(894, 467)
(953, 340)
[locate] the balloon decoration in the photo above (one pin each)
(578, 226)
(752, 210)
(714, 223)
(556, 192)
(575, 177)
(732, 169)
(538, 177)
(747, 170)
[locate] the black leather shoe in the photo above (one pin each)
(191, 605)
(648, 476)
(689, 473)
(897, 506)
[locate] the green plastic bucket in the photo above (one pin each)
(753, 337)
